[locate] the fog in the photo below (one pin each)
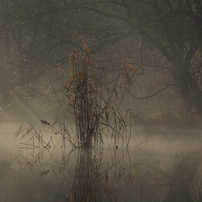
(100, 100)
(159, 164)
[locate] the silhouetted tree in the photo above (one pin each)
(172, 27)
(43, 32)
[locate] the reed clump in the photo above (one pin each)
(91, 102)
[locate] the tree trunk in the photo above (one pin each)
(190, 89)
(5, 97)
(196, 94)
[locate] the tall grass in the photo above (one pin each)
(92, 103)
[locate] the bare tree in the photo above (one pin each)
(45, 30)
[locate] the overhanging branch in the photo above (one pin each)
(156, 93)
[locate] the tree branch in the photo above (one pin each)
(156, 93)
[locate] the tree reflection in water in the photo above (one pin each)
(184, 183)
(112, 175)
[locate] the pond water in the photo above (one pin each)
(159, 165)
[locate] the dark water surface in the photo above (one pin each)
(159, 165)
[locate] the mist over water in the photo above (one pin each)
(159, 165)
(91, 67)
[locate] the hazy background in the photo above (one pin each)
(161, 40)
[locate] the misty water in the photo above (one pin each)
(159, 165)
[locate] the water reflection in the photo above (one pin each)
(112, 175)
(159, 170)
(184, 185)
(96, 178)
(88, 175)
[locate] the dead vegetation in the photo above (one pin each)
(91, 103)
